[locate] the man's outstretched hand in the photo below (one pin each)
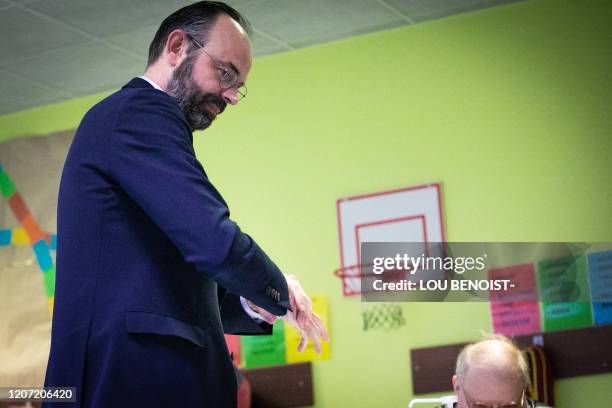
(307, 322)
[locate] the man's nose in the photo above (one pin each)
(230, 95)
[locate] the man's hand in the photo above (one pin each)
(312, 329)
(302, 317)
(300, 302)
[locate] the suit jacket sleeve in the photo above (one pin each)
(235, 320)
(153, 161)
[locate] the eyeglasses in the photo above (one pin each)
(229, 76)
(514, 404)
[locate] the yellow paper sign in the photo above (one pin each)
(292, 336)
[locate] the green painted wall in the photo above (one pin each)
(508, 107)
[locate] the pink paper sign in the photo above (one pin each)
(516, 311)
(233, 345)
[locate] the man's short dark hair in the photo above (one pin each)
(196, 20)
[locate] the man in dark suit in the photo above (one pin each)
(151, 271)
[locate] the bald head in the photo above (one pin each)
(491, 370)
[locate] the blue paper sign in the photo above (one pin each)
(600, 275)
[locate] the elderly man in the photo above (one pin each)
(151, 271)
(491, 373)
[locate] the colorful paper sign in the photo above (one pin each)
(515, 311)
(261, 351)
(30, 169)
(564, 291)
(281, 347)
(320, 306)
(233, 346)
(600, 274)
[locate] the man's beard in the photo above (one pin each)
(189, 96)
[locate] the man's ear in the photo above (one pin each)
(176, 48)
(455, 383)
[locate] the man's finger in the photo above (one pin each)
(303, 316)
(316, 339)
(303, 343)
(321, 329)
(300, 310)
(292, 299)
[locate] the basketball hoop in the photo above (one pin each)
(352, 276)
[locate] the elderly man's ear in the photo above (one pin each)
(455, 383)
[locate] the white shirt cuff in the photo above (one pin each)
(252, 314)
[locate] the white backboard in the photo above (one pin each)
(411, 214)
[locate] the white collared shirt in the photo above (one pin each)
(153, 83)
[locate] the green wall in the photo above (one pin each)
(508, 107)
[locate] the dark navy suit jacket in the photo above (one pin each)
(149, 264)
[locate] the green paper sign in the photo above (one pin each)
(260, 351)
(564, 290)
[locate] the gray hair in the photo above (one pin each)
(478, 353)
